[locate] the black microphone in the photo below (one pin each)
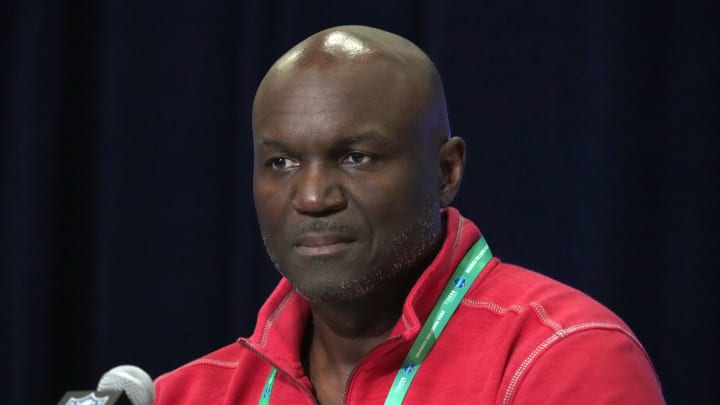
(122, 385)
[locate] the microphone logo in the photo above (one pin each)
(122, 385)
(89, 399)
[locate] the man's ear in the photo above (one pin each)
(452, 165)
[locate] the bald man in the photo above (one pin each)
(388, 294)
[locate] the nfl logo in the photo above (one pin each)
(89, 399)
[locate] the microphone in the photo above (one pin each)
(121, 385)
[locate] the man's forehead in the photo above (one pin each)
(369, 79)
(362, 88)
(341, 105)
(338, 140)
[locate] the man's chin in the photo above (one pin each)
(345, 292)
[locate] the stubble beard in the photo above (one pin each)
(410, 248)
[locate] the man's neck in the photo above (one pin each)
(340, 335)
(345, 333)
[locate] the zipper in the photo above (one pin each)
(363, 361)
(281, 371)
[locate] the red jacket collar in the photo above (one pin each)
(282, 319)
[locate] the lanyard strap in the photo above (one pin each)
(465, 274)
(463, 277)
(267, 390)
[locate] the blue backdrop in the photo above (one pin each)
(127, 228)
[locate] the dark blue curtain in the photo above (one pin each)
(127, 227)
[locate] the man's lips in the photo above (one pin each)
(322, 243)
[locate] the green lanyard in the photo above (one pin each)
(267, 390)
(463, 277)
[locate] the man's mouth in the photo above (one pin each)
(322, 243)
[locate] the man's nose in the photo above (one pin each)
(318, 191)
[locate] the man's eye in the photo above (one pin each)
(283, 163)
(356, 158)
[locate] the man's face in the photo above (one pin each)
(345, 180)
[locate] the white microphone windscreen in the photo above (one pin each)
(136, 383)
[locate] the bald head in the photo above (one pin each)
(362, 54)
(352, 163)
(347, 45)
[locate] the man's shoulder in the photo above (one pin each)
(546, 327)
(215, 366)
(511, 289)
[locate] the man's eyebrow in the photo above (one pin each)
(271, 142)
